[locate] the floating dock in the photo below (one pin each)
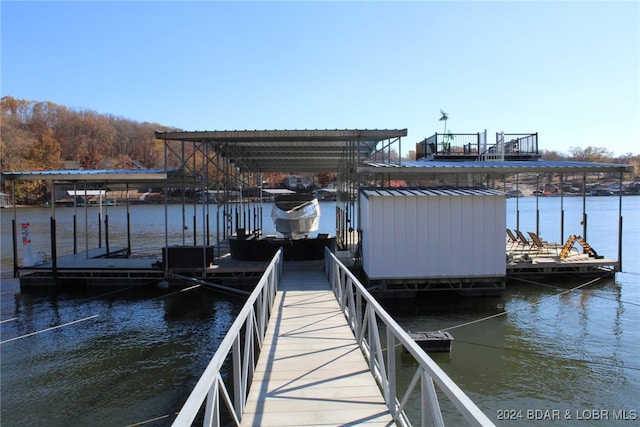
(446, 235)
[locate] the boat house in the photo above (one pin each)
(444, 229)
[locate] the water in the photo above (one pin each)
(572, 358)
(140, 356)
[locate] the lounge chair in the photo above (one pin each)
(524, 241)
(511, 238)
(539, 244)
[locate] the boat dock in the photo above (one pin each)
(441, 229)
(311, 370)
(97, 267)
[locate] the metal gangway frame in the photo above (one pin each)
(365, 316)
(243, 342)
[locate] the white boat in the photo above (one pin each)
(296, 215)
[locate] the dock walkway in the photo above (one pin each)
(311, 370)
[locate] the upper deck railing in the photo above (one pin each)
(243, 342)
(475, 146)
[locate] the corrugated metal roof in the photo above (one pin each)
(429, 192)
(99, 175)
(498, 167)
(290, 150)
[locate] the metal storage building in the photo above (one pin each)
(432, 233)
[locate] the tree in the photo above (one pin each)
(591, 154)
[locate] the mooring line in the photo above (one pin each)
(558, 287)
(8, 320)
(151, 420)
(48, 329)
(522, 307)
(176, 292)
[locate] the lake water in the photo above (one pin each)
(135, 354)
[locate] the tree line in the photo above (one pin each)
(42, 135)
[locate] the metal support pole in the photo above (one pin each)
(75, 217)
(128, 223)
(620, 225)
(561, 208)
(15, 246)
(584, 206)
(537, 205)
(106, 233)
(54, 255)
(517, 203)
(99, 229)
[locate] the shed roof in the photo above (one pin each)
(490, 167)
(429, 192)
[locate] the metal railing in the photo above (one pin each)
(242, 344)
(364, 315)
(449, 144)
(241, 347)
(511, 145)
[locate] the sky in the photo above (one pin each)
(566, 70)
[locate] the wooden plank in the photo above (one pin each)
(311, 370)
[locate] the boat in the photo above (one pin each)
(296, 215)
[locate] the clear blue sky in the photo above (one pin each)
(567, 70)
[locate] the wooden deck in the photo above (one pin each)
(549, 264)
(311, 370)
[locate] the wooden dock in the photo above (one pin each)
(311, 370)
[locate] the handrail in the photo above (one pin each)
(363, 314)
(246, 332)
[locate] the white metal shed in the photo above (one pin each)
(433, 233)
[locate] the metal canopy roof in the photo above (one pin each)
(492, 167)
(289, 150)
(112, 176)
(423, 192)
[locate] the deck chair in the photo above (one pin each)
(512, 239)
(538, 243)
(523, 240)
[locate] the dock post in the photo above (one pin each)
(15, 247)
(99, 230)
(562, 208)
(54, 254)
(584, 206)
(128, 232)
(538, 204)
(620, 224)
(106, 233)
